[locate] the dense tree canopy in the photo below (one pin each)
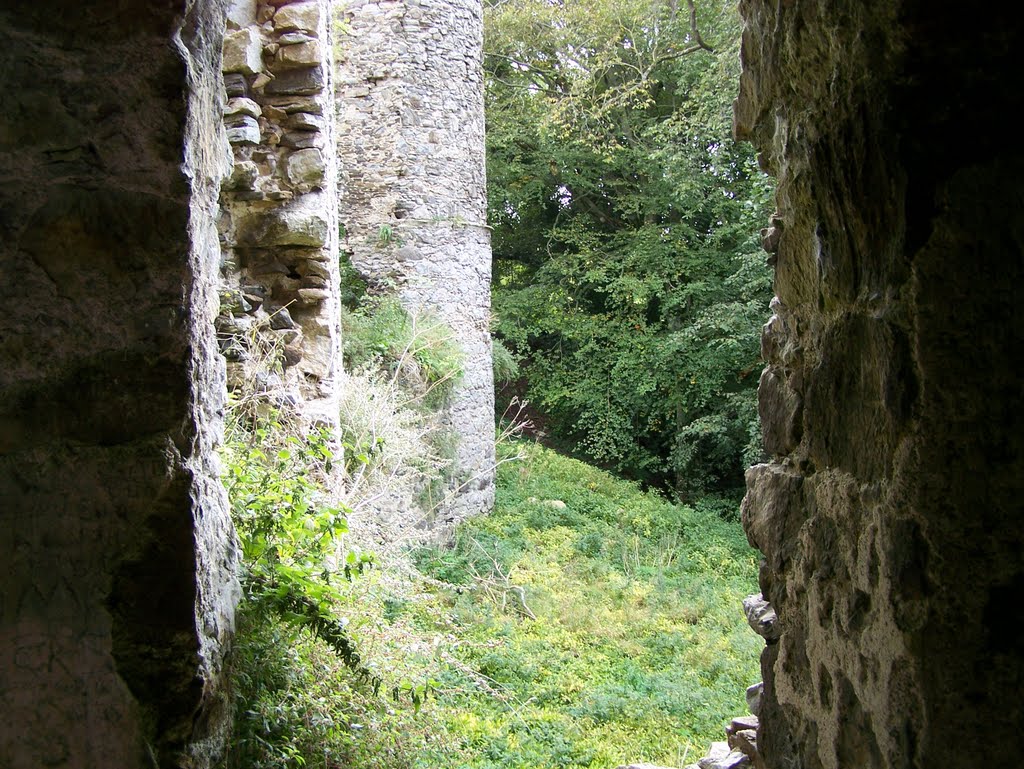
(628, 277)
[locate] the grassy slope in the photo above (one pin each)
(638, 651)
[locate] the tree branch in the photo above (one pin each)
(693, 28)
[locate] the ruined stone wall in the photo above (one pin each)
(118, 586)
(279, 222)
(891, 405)
(412, 191)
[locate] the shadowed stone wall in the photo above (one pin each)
(118, 587)
(410, 126)
(889, 515)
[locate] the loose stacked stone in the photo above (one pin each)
(279, 209)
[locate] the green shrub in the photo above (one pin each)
(416, 349)
(506, 365)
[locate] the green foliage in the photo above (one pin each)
(506, 367)
(583, 624)
(299, 707)
(401, 368)
(352, 285)
(627, 277)
(596, 625)
(288, 532)
(417, 350)
(305, 690)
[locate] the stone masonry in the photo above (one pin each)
(410, 127)
(118, 587)
(279, 223)
(889, 515)
(364, 118)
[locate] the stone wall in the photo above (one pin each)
(412, 191)
(891, 405)
(279, 222)
(118, 586)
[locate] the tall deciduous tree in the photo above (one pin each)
(627, 272)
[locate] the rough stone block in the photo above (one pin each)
(304, 121)
(754, 698)
(297, 82)
(235, 84)
(243, 131)
(291, 226)
(242, 106)
(292, 38)
(241, 14)
(313, 295)
(306, 167)
(772, 511)
(717, 751)
(300, 16)
(243, 52)
(244, 176)
(300, 140)
(781, 411)
(741, 723)
(301, 55)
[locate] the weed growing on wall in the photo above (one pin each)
(401, 368)
(415, 349)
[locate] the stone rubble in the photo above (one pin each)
(738, 750)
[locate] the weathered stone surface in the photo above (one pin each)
(285, 226)
(753, 696)
(241, 14)
(717, 752)
(243, 52)
(242, 106)
(281, 222)
(300, 55)
(762, 618)
(733, 760)
(291, 105)
(118, 581)
(235, 84)
(298, 16)
(281, 319)
(306, 167)
(304, 121)
(297, 82)
(745, 742)
(421, 171)
(244, 175)
(242, 129)
(742, 723)
(313, 295)
(300, 140)
(291, 38)
(889, 514)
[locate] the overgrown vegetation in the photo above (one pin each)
(591, 625)
(627, 274)
(401, 368)
(583, 624)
